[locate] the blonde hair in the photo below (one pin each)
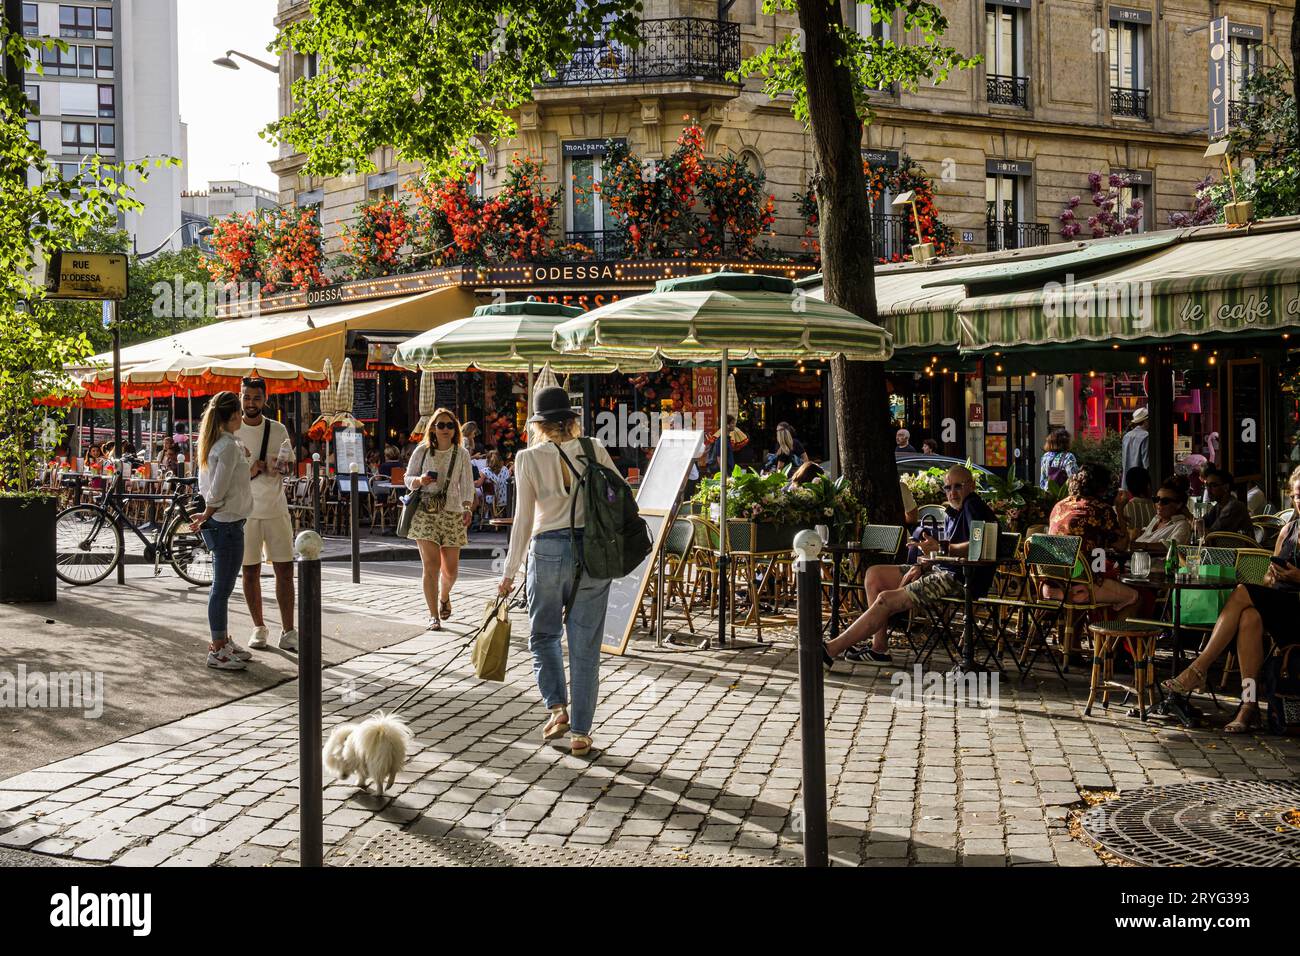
(219, 411)
(495, 456)
(784, 439)
(557, 432)
(433, 422)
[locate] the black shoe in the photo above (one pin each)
(865, 655)
(827, 661)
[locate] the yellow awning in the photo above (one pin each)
(305, 336)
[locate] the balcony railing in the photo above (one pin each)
(889, 235)
(1008, 90)
(598, 244)
(1125, 102)
(682, 48)
(1016, 235)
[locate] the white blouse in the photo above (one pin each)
(223, 480)
(1179, 530)
(460, 486)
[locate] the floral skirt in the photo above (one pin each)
(446, 529)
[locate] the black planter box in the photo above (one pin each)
(27, 553)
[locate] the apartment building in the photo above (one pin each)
(114, 92)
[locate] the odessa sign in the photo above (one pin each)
(86, 275)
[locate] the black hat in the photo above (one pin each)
(552, 405)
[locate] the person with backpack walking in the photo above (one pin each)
(1058, 464)
(558, 478)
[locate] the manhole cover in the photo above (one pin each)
(1211, 823)
(408, 849)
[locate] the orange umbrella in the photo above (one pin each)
(217, 375)
(86, 399)
(156, 379)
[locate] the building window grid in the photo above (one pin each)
(1006, 84)
(31, 20)
(1126, 197)
(1129, 95)
(1243, 63)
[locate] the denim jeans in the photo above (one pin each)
(225, 539)
(550, 581)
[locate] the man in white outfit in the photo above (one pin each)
(269, 530)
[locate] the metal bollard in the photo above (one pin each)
(315, 492)
(812, 704)
(307, 548)
(354, 520)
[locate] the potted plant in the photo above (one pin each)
(765, 515)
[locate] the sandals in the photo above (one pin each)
(580, 745)
(444, 609)
(558, 725)
(434, 624)
(1243, 725)
(1184, 685)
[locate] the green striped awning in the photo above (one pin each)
(695, 318)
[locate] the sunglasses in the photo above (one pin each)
(446, 426)
(1166, 501)
(955, 487)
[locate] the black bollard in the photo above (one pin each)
(354, 521)
(307, 548)
(812, 705)
(315, 492)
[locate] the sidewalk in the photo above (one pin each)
(699, 764)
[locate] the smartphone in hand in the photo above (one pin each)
(1279, 562)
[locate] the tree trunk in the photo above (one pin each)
(1295, 65)
(844, 225)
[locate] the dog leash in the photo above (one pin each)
(496, 608)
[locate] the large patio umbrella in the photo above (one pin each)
(343, 397)
(158, 379)
(508, 337)
(714, 318)
(428, 392)
(219, 375)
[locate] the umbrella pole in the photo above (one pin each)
(724, 446)
(529, 403)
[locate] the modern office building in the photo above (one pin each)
(114, 92)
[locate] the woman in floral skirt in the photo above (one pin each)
(440, 468)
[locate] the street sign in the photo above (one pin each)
(86, 275)
(1218, 78)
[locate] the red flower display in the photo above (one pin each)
(293, 250)
(373, 244)
(234, 249)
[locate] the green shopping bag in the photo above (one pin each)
(1203, 607)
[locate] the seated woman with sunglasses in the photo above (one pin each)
(1253, 609)
(1170, 523)
(1088, 513)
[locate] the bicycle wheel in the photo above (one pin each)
(87, 545)
(187, 554)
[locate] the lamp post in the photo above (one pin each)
(230, 64)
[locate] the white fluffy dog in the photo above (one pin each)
(374, 749)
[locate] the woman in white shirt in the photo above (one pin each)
(1169, 524)
(440, 467)
(543, 480)
(228, 494)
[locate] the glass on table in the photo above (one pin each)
(1192, 563)
(1141, 563)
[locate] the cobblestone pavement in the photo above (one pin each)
(699, 755)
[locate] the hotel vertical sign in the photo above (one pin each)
(1219, 78)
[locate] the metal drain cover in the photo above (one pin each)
(397, 848)
(1209, 823)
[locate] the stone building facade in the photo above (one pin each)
(1066, 87)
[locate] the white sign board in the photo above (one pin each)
(349, 449)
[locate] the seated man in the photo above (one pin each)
(925, 584)
(1226, 513)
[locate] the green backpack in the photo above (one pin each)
(615, 539)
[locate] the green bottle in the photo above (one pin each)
(1171, 559)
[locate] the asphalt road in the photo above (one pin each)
(148, 640)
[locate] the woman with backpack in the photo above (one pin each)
(439, 468)
(1058, 464)
(546, 475)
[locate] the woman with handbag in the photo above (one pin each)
(440, 478)
(544, 482)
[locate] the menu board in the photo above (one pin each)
(1245, 429)
(444, 390)
(365, 397)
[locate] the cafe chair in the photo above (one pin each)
(705, 542)
(938, 512)
(1229, 539)
(1050, 563)
(677, 565)
(1267, 528)
(1139, 640)
(1251, 566)
(881, 544)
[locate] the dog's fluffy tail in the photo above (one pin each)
(381, 741)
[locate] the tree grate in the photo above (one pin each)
(1207, 823)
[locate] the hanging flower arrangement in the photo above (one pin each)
(372, 245)
(882, 182)
(234, 249)
(1113, 217)
(653, 204)
(738, 209)
(670, 390)
(293, 255)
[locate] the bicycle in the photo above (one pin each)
(90, 538)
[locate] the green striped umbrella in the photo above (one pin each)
(715, 318)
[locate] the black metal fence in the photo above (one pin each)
(674, 49)
(1135, 103)
(1008, 90)
(1016, 235)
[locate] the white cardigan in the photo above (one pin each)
(460, 487)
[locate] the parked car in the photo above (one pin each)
(914, 463)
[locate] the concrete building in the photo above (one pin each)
(1066, 88)
(115, 92)
(223, 197)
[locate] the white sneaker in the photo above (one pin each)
(258, 640)
(237, 652)
(223, 660)
(289, 641)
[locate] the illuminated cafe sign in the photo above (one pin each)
(574, 272)
(588, 147)
(329, 294)
(881, 158)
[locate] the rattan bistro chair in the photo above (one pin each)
(677, 550)
(1229, 539)
(1251, 566)
(1140, 641)
(1050, 562)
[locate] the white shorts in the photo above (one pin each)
(272, 536)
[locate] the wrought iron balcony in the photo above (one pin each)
(1016, 235)
(681, 48)
(889, 236)
(599, 244)
(1008, 90)
(1126, 102)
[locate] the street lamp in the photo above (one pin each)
(201, 233)
(230, 64)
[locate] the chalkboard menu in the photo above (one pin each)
(1245, 427)
(365, 398)
(444, 390)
